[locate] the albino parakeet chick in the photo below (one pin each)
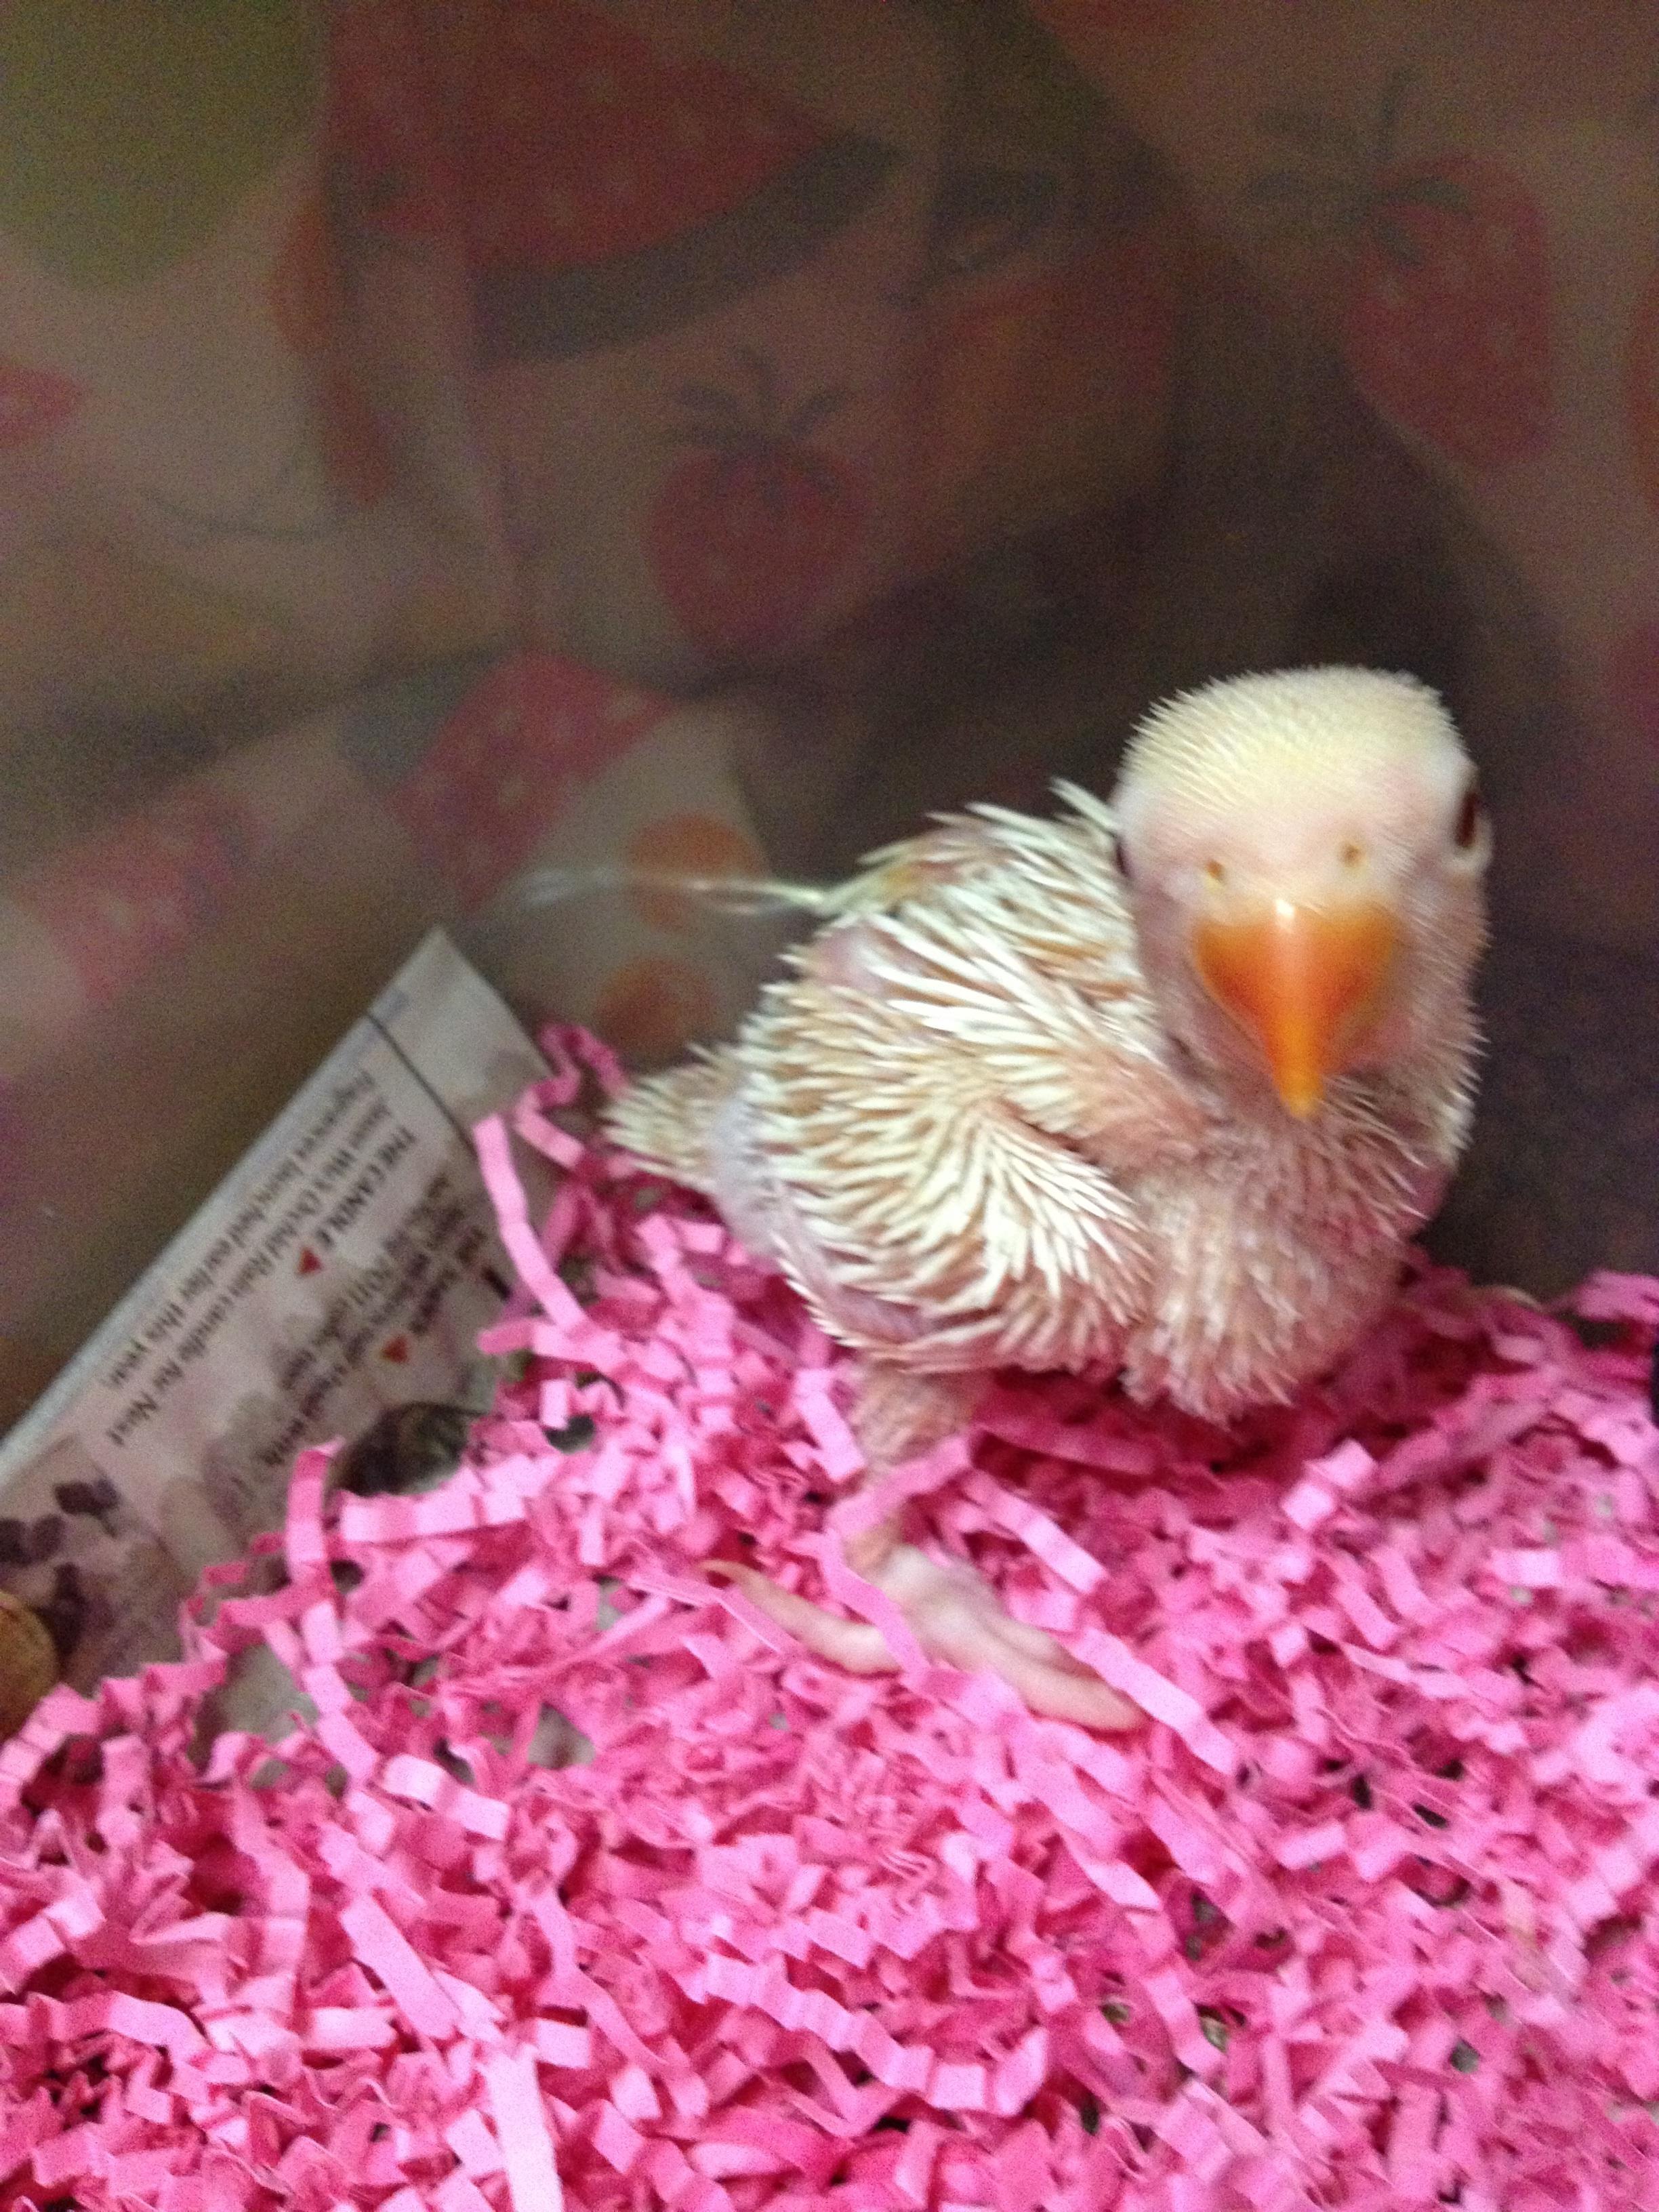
(1165, 1085)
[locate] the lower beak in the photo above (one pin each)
(1305, 982)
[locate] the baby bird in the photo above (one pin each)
(1163, 1084)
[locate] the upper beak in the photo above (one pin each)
(1304, 981)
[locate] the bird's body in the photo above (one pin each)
(959, 1131)
(1023, 1102)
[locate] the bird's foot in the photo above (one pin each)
(954, 1615)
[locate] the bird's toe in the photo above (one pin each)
(957, 1619)
(854, 1644)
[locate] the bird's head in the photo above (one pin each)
(1305, 855)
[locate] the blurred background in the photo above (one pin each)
(446, 446)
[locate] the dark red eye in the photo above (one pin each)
(1470, 816)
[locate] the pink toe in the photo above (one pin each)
(854, 1644)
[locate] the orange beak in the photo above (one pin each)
(1304, 981)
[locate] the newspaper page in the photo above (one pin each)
(344, 1267)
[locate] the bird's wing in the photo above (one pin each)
(928, 1219)
(1092, 1071)
(1010, 937)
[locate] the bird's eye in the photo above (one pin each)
(1352, 854)
(1120, 856)
(1215, 871)
(1470, 816)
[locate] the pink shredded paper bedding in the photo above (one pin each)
(1359, 1919)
